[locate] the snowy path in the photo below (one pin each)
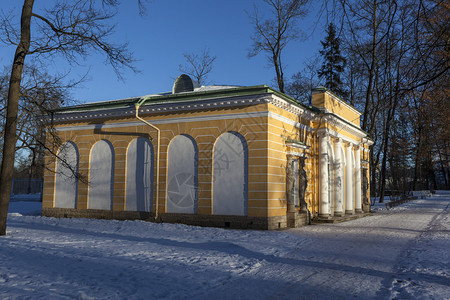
(402, 253)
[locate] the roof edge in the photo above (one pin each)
(165, 97)
(325, 89)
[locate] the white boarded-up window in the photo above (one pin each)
(230, 175)
(139, 188)
(182, 175)
(101, 176)
(65, 179)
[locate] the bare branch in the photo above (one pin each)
(273, 34)
(198, 66)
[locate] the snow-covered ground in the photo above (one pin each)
(401, 253)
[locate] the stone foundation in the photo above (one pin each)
(236, 222)
(297, 219)
(347, 217)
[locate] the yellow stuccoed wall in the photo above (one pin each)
(205, 133)
(266, 137)
(291, 127)
(335, 105)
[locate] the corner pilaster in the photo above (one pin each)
(349, 180)
(324, 209)
(357, 168)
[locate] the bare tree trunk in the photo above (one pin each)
(279, 72)
(384, 160)
(31, 169)
(443, 170)
(371, 70)
(417, 162)
(393, 102)
(373, 170)
(7, 168)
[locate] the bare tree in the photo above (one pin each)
(198, 66)
(274, 33)
(398, 51)
(71, 29)
(304, 81)
(40, 93)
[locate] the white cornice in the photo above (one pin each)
(331, 133)
(289, 121)
(186, 106)
(297, 146)
(333, 120)
(338, 99)
(368, 141)
(258, 114)
(208, 104)
(166, 107)
(298, 154)
(292, 108)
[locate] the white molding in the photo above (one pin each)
(163, 107)
(294, 153)
(289, 121)
(166, 121)
(298, 146)
(212, 103)
(184, 106)
(344, 103)
(332, 95)
(334, 134)
(189, 119)
(329, 118)
(368, 141)
(292, 108)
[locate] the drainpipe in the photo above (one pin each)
(137, 105)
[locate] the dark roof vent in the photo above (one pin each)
(182, 84)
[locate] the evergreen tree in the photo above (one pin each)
(333, 62)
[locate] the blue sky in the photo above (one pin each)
(174, 27)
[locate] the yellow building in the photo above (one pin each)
(225, 156)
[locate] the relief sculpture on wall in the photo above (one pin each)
(303, 185)
(365, 188)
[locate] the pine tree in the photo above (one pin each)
(333, 62)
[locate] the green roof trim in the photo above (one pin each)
(98, 105)
(187, 96)
(192, 96)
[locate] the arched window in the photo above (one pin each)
(230, 175)
(139, 188)
(182, 175)
(66, 183)
(101, 176)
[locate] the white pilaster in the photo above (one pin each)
(339, 179)
(358, 200)
(349, 180)
(324, 209)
